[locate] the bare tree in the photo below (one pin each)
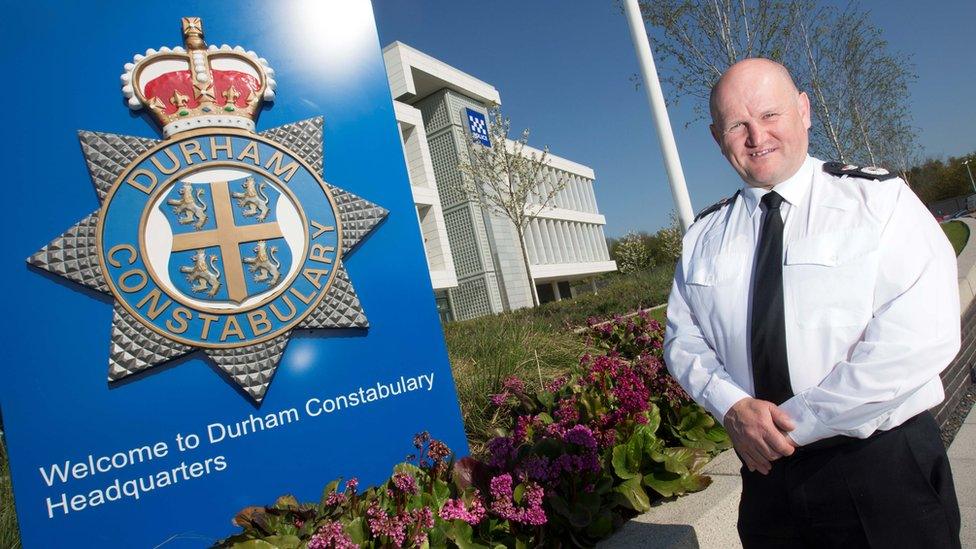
(825, 107)
(699, 40)
(509, 180)
(858, 87)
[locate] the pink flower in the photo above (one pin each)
(423, 521)
(581, 435)
(335, 499)
(504, 506)
(405, 483)
(514, 384)
(352, 485)
(455, 509)
(522, 426)
(382, 524)
(331, 536)
(555, 384)
(566, 411)
(501, 450)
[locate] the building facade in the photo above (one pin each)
(474, 255)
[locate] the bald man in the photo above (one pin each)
(811, 313)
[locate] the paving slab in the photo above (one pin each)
(726, 463)
(962, 456)
(968, 534)
(704, 520)
(964, 445)
(964, 477)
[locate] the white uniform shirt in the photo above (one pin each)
(870, 295)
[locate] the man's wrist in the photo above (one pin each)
(808, 428)
(718, 398)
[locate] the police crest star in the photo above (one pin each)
(216, 238)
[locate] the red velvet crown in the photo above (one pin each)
(199, 86)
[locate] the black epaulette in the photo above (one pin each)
(716, 206)
(867, 172)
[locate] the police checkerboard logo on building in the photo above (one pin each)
(478, 126)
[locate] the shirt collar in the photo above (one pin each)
(792, 190)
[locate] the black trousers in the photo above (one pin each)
(891, 490)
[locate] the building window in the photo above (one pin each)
(564, 291)
(443, 305)
(546, 293)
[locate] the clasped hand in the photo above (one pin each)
(758, 431)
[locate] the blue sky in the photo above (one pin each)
(563, 69)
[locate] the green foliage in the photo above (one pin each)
(486, 351)
(9, 534)
(661, 248)
(621, 294)
(935, 179)
(632, 254)
(958, 234)
(535, 344)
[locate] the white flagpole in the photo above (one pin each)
(655, 98)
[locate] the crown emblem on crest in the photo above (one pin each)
(197, 86)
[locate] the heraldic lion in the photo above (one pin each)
(264, 264)
(190, 207)
(253, 200)
(201, 275)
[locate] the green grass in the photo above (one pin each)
(9, 534)
(958, 234)
(623, 294)
(485, 351)
(536, 344)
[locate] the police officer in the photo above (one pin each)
(811, 314)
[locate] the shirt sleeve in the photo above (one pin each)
(913, 335)
(692, 361)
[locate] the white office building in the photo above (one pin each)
(475, 263)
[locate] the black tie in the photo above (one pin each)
(770, 370)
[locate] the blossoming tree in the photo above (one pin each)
(509, 180)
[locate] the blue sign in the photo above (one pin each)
(211, 327)
(478, 127)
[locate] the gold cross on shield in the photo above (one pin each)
(229, 237)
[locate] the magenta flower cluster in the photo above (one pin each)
(331, 535)
(512, 386)
(556, 455)
(405, 483)
(337, 499)
(455, 509)
(396, 527)
(503, 502)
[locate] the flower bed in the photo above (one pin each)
(580, 455)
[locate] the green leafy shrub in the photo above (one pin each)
(576, 458)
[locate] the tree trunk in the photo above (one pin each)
(863, 131)
(824, 110)
(520, 233)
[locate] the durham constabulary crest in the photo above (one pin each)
(217, 238)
